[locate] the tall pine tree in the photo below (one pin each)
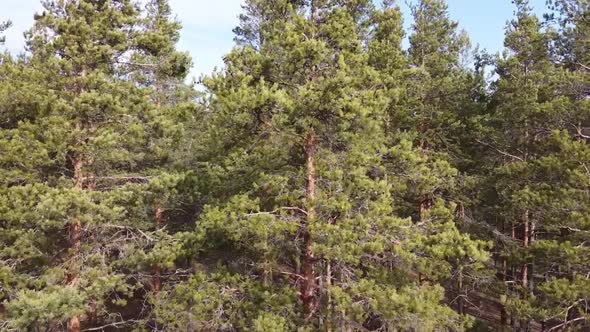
(82, 141)
(534, 196)
(302, 204)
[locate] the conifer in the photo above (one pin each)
(3, 26)
(306, 210)
(79, 143)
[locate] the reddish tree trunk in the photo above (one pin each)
(74, 324)
(308, 284)
(75, 225)
(75, 238)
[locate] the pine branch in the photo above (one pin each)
(499, 151)
(566, 323)
(115, 325)
(277, 210)
(137, 64)
(580, 134)
(129, 229)
(142, 178)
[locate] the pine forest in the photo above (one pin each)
(345, 170)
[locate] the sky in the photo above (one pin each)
(207, 25)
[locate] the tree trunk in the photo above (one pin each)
(532, 234)
(504, 320)
(75, 239)
(75, 236)
(329, 304)
(525, 267)
(74, 324)
(526, 241)
(156, 282)
(308, 286)
(460, 304)
(313, 11)
(513, 277)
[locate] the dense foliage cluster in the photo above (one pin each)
(327, 179)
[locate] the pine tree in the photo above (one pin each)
(3, 27)
(572, 43)
(79, 145)
(432, 95)
(302, 206)
(159, 66)
(387, 57)
(441, 86)
(532, 119)
(325, 180)
(516, 101)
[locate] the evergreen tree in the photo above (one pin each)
(80, 143)
(532, 119)
(157, 64)
(572, 17)
(441, 87)
(327, 179)
(303, 207)
(387, 57)
(517, 115)
(3, 27)
(435, 96)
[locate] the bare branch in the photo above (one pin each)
(151, 65)
(277, 210)
(116, 325)
(127, 178)
(129, 229)
(580, 133)
(500, 151)
(564, 324)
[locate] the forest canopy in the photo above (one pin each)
(339, 173)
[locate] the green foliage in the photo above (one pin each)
(572, 40)
(327, 178)
(82, 144)
(3, 27)
(536, 192)
(40, 309)
(322, 79)
(224, 301)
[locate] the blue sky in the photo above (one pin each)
(208, 24)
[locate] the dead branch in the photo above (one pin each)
(500, 151)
